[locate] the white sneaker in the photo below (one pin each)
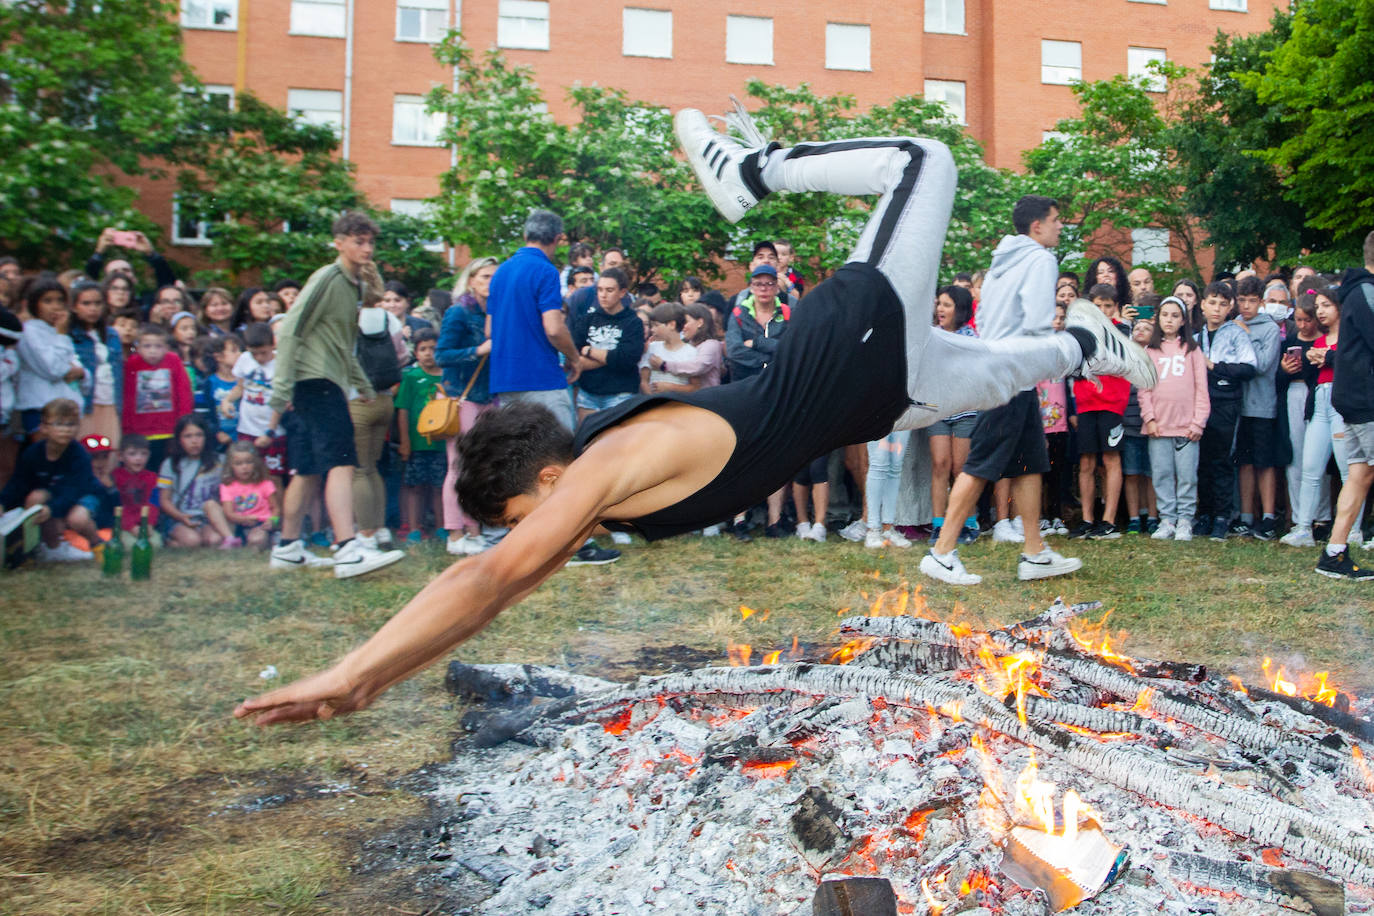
(1004, 532)
(356, 558)
(1165, 531)
(1019, 526)
(948, 568)
(1059, 527)
(716, 160)
(383, 539)
(465, 546)
(1299, 537)
(804, 530)
(64, 552)
(897, 539)
(1183, 531)
(711, 531)
(1046, 527)
(295, 556)
(854, 531)
(1046, 564)
(874, 539)
(622, 538)
(1356, 538)
(818, 533)
(1116, 354)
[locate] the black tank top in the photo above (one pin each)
(839, 378)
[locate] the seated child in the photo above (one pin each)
(189, 482)
(249, 498)
(137, 487)
(56, 474)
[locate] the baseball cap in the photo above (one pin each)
(765, 270)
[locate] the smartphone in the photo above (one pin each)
(126, 239)
(1145, 312)
(1294, 352)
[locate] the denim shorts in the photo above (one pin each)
(1359, 443)
(588, 401)
(958, 427)
(1135, 456)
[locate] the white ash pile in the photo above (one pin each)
(950, 762)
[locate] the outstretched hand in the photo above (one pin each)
(320, 696)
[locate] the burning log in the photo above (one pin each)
(1329, 715)
(1295, 890)
(1107, 721)
(516, 684)
(1055, 616)
(819, 827)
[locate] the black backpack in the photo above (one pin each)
(377, 356)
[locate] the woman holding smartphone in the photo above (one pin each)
(1325, 433)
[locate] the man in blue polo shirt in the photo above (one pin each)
(528, 332)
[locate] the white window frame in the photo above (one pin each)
(426, 9)
(422, 209)
(1229, 6)
(960, 112)
(946, 17)
(1156, 2)
(413, 105)
(1148, 241)
(1061, 73)
(646, 32)
(1136, 60)
(743, 46)
(310, 114)
(523, 24)
(202, 237)
(222, 90)
(848, 46)
(230, 25)
(302, 24)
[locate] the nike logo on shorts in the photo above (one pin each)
(1114, 437)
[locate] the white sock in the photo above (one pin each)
(1333, 549)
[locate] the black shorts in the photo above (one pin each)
(1257, 443)
(1009, 441)
(817, 471)
(319, 430)
(1099, 432)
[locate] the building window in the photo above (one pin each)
(316, 106)
(1137, 67)
(1158, 2)
(1061, 62)
(847, 47)
(411, 125)
(420, 209)
(523, 24)
(187, 231)
(945, 16)
(646, 33)
(952, 93)
(210, 14)
(748, 40)
(1150, 246)
(325, 18)
(421, 20)
(222, 96)
(1231, 6)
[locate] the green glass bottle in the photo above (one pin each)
(112, 557)
(141, 557)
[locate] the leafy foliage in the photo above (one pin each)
(88, 91)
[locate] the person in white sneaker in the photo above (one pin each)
(55, 473)
(316, 345)
(860, 360)
(813, 480)
(882, 488)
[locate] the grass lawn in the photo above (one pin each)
(126, 788)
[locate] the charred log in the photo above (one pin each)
(1295, 890)
(855, 897)
(1328, 715)
(1107, 721)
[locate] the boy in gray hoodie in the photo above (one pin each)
(1257, 450)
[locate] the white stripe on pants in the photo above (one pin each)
(903, 238)
(1173, 469)
(1325, 437)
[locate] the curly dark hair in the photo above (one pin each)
(501, 456)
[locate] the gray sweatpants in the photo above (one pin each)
(947, 373)
(1173, 466)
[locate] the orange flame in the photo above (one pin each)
(1094, 638)
(746, 612)
(1036, 797)
(850, 650)
(1310, 687)
(772, 657)
(936, 908)
(1238, 684)
(739, 654)
(766, 770)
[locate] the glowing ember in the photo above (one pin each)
(936, 908)
(766, 769)
(620, 723)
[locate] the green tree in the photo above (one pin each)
(1112, 167)
(268, 188)
(1321, 81)
(89, 91)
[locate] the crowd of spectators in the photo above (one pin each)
(182, 401)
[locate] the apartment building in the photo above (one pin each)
(1002, 66)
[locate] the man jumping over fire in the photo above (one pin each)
(860, 358)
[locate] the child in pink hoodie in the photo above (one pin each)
(1175, 413)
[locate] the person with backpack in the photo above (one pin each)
(382, 350)
(318, 343)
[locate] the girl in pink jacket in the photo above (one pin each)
(1175, 413)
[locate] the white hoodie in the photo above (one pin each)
(1018, 291)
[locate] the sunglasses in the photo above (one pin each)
(96, 443)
